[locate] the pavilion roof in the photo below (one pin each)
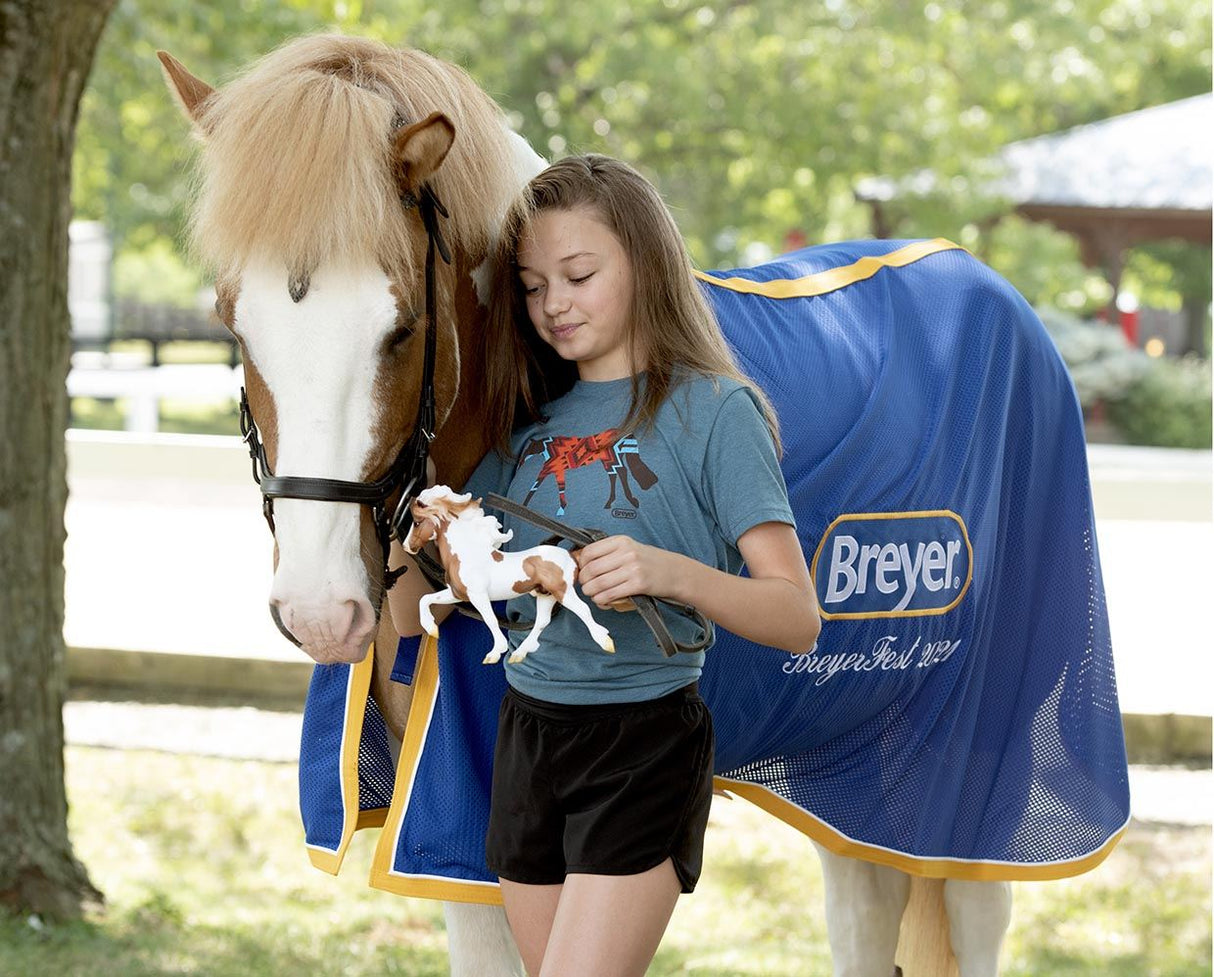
(1155, 159)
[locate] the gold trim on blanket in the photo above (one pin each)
(832, 279)
(974, 870)
(383, 876)
(358, 686)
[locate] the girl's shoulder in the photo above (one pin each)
(701, 392)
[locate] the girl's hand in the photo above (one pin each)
(612, 569)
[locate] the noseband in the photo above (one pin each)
(407, 474)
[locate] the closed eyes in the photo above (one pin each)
(534, 289)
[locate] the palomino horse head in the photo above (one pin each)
(310, 162)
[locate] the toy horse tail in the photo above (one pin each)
(923, 941)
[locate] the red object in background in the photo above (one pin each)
(1129, 326)
(795, 240)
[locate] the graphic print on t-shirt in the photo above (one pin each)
(619, 455)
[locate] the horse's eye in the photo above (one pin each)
(406, 326)
(398, 336)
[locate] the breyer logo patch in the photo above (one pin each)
(893, 564)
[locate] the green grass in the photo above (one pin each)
(204, 870)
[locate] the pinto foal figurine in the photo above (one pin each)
(469, 545)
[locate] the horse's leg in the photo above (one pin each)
(423, 609)
(393, 698)
(479, 942)
(923, 946)
(978, 915)
(484, 607)
(624, 484)
(611, 482)
(599, 633)
(543, 614)
(864, 904)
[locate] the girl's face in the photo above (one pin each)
(578, 284)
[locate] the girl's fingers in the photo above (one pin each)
(610, 586)
(605, 577)
(595, 566)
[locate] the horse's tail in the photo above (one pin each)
(923, 942)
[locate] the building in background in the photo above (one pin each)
(1131, 179)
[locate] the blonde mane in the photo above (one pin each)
(295, 163)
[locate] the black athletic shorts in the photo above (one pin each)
(611, 789)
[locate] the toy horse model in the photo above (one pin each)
(469, 543)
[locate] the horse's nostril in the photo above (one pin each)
(361, 617)
(276, 615)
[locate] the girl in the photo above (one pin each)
(615, 403)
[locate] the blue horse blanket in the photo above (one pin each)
(958, 717)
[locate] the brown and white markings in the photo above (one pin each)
(478, 571)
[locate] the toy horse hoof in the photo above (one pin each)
(608, 645)
(492, 658)
(517, 657)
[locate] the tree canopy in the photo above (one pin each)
(756, 118)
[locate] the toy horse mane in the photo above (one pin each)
(441, 503)
(295, 161)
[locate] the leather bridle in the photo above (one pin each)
(407, 474)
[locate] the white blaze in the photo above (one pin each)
(319, 359)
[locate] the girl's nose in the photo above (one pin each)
(556, 300)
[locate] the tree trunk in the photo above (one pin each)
(1195, 328)
(46, 51)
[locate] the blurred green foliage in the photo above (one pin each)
(1161, 401)
(1169, 405)
(754, 117)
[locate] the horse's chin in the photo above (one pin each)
(316, 639)
(328, 654)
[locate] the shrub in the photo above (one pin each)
(1101, 361)
(1169, 405)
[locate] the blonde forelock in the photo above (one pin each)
(295, 162)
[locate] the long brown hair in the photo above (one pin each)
(671, 328)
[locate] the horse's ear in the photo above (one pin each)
(419, 150)
(192, 93)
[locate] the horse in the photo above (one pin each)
(470, 546)
(322, 171)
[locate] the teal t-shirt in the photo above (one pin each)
(694, 483)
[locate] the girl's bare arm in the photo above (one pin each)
(775, 605)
